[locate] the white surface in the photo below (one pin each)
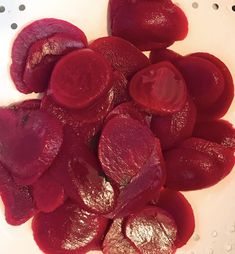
(210, 30)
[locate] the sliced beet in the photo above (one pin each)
(35, 31)
(80, 78)
(152, 231)
(125, 145)
(30, 141)
(69, 229)
(33, 104)
(121, 54)
(173, 129)
(219, 131)
(178, 206)
(18, 200)
(160, 55)
(115, 241)
(159, 88)
(147, 24)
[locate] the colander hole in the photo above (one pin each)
(215, 6)
(195, 5)
(233, 7)
(14, 26)
(2, 9)
(22, 7)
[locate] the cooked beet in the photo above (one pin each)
(178, 206)
(18, 201)
(30, 141)
(219, 131)
(33, 104)
(121, 54)
(152, 231)
(69, 229)
(159, 89)
(173, 129)
(147, 24)
(40, 29)
(160, 55)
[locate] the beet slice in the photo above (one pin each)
(163, 231)
(173, 129)
(35, 31)
(222, 104)
(124, 147)
(32, 104)
(69, 229)
(159, 88)
(80, 78)
(160, 55)
(147, 24)
(30, 141)
(18, 200)
(121, 54)
(178, 206)
(219, 131)
(115, 241)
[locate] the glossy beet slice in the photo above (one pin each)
(33, 104)
(35, 31)
(18, 200)
(163, 231)
(147, 24)
(173, 129)
(69, 229)
(115, 241)
(30, 141)
(159, 88)
(121, 54)
(219, 131)
(221, 106)
(178, 206)
(160, 55)
(80, 78)
(124, 147)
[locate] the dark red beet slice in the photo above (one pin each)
(69, 229)
(38, 30)
(219, 131)
(33, 104)
(160, 55)
(173, 129)
(221, 106)
(147, 24)
(18, 201)
(124, 147)
(48, 193)
(159, 88)
(204, 80)
(80, 78)
(30, 141)
(115, 241)
(178, 206)
(121, 54)
(152, 231)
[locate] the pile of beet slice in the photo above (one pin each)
(100, 158)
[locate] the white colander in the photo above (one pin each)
(212, 29)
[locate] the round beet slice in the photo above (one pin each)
(178, 206)
(30, 141)
(152, 231)
(80, 78)
(160, 55)
(173, 129)
(32, 104)
(69, 229)
(121, 54)
(35, 31)
(159, 88)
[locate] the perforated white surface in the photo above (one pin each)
(211, 30)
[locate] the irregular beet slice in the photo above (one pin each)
(147, 24)
(121, 54)
(35, 31)
(33, 104)
(30, 141)
(219, 131)
(152, 231)
(80, 78)
(159, 88)
(124, 147)
(178, 206)
(160, 55)
(69, 229)
(173, 129)
(115, 241)
(18, 200)
(222, 104)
